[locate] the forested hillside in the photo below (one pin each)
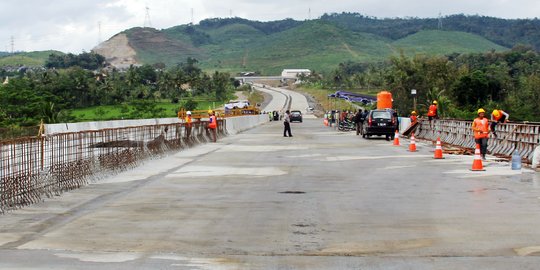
(236, 44)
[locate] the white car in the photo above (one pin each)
(240, 104)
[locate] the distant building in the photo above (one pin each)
(294, 73)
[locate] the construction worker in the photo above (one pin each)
(188, 122)
(414, 117)
(480, 128)
(212, 124)
(432, 112)
(498, 116)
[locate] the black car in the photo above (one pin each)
(380, 123)
(296, 116)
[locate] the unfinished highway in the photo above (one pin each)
(323, 199)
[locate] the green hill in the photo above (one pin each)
(316, 45)
(30, 59)
(236, 45)
(435, 42)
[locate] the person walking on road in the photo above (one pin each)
(480, 128)
(287, 124)
(498, 116)
(212, 125)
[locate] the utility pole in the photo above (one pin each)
(440, 22)
(192, 17)
(12, 45)
(147, 22)
(309, 14)
(99, 32)
(230, 13)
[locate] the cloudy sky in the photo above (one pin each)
(74, 25)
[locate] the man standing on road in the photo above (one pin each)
(359, 121)
(287, 124)
(498, 116)
(480, 128)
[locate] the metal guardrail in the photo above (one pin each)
(36, 167)
(524, 137)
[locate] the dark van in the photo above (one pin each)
(380, 123)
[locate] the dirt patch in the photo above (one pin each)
(117, 51)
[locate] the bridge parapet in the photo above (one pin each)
(525, 137)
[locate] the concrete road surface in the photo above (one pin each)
(320, 200)
(279, 98)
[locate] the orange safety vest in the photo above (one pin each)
(432, 110)
(414, 118)
(188, 121)
(481, 128)
(213, 122)
(497, 118)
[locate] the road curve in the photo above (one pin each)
(279, 98)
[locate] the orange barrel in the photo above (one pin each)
(384, 100)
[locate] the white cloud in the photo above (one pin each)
(72, 26)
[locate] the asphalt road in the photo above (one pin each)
(322, 199)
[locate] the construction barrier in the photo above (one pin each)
(32, 168)
(511, 136)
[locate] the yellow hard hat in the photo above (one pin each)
(481, 110)
(434, 102)
(413, 112)
(210, 111)
(496, 113)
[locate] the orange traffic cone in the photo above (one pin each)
(438, 149)
(396, 138)
(477, 163)
(412, 145)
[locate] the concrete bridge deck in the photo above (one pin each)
(320, 200)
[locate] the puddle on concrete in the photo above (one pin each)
(292, 192)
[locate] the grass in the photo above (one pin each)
(321, 95)
(435, 42)
(30, 59)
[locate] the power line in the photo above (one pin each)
(12, 44)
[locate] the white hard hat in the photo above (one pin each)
(188, 112)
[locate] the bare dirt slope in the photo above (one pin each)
(118, 51)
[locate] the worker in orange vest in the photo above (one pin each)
(498, 116)
(432, 112)
(188, 121)
(480, 128)
(212, 124)
(414, 117)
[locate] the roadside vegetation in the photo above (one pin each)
(65, 92)
(461, 83)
